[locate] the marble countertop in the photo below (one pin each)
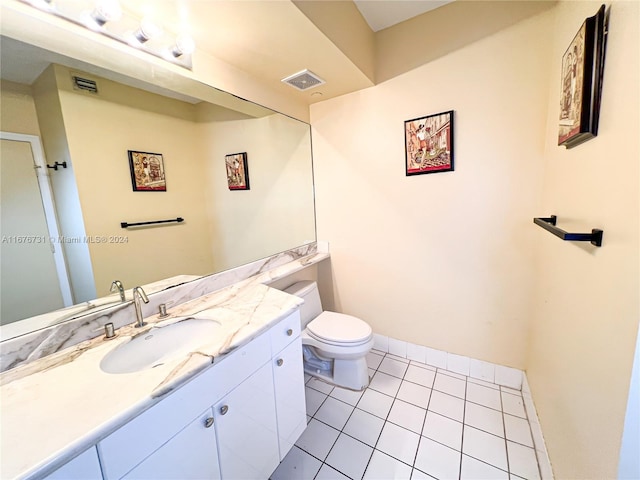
(56, 407)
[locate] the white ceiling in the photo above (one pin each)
(381, 14)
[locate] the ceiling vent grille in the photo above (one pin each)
(85, 84)
(303, 80)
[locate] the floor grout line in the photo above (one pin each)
(421, 437)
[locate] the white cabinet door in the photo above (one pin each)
(84, 467)
(191, 455)
(288, 376)
(245, 423)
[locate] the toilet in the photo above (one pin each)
(334, 345)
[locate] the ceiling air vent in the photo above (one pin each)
(85, 84)
(303, 80)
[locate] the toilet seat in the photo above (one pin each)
(339, 329)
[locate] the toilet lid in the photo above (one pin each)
(339, 328)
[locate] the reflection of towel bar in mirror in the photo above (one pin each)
(549, 224)
(127, 225)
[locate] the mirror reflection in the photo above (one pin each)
(184, 141)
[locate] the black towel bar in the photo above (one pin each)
(126, 225)
(549, 224)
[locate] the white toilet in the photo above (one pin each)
(334, 345)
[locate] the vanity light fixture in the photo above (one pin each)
(114, 20)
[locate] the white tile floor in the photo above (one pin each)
(412, 422)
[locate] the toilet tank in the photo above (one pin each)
(308, 291)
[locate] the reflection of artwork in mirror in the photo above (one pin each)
(147, 172)
(429, 144)
(582, 68)
(237, 171)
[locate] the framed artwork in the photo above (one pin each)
(237, 171)
(581, 82)
(147, 172)
(429, 144)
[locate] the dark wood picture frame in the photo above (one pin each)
(429, 144)
(147, 171)
(237, 171)
(581, 83)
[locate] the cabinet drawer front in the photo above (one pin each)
(285, 332)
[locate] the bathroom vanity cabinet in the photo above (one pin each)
(236, 419)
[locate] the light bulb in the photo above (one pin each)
(184, 45)
(148, 30)
(106, 11)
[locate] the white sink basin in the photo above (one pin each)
(159, 345)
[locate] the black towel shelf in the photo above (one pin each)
(126, 225)
(549, 224)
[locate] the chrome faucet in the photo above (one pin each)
(117, 284)
(138, 294)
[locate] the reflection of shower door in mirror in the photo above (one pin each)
(33, 278)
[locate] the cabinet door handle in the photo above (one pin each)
(289, 332)
(224, 409)
(280, 362)
(208, 422)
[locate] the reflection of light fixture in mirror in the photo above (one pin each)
(106, 11)
(147, 30)
(109, 18)
(184, 45)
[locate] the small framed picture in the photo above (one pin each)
(147, 172)
(237, 171)
(581, 82)
(429, 144)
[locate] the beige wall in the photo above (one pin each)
(345, 26)
(100, 129)
(444, 260)
(586, 312)
(453, 260)
(422, 39)
(17, 109)
(257, 222)
(63, 184)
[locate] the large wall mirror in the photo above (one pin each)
(92, 133)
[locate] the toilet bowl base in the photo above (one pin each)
(352, 374)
